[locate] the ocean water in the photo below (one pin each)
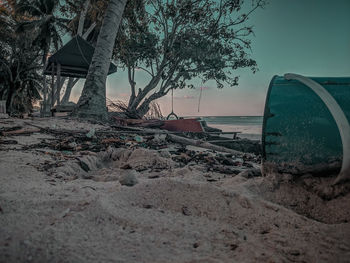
(249, 126)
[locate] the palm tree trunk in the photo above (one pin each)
(92, 103)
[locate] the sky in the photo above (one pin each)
(307, 37)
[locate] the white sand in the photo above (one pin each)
(177, 217)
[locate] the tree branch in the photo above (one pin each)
(150, 73)
(82, 17)
(89, 30)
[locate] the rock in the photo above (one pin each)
(186, 211)
(129, 178)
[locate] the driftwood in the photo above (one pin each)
(8, 142)
(139, 130)
(139, 122)
(13, 128)
(202, 144)
(20, 132)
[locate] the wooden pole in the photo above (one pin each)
(52, 85)
(45, 88)
(45, 96)
(58, 83)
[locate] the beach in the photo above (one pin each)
(137, 203)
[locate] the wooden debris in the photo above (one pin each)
(20, 132)
(8, 142)
(203, 144)
(7, 129)
(139, 122)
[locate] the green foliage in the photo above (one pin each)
(96, 10)
(179, 40)
(20, 64)
(42, 20)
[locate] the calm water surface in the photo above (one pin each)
(249, 126)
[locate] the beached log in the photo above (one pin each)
(202, 144)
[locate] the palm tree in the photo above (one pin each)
(92, 103)
(20, 82)
(47, 27)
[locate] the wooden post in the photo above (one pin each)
(44, 110)
(52, 85)
(45, 95)
(58, 83)
(45, 88)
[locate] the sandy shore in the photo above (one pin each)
(134, 203)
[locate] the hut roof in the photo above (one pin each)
(75, 58)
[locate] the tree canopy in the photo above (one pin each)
(173, 41)
(177, 41)
(20, 79)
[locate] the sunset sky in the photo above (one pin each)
(308, 37)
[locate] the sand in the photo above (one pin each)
(171, 213)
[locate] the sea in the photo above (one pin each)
(249, 126)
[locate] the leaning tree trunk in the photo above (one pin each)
(92, 102)
(145, 106)
(71, 83)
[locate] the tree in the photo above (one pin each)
(46, 25)
(179, 40)
(92, 103)
(86, 22)
(47, 28)
(20, 81)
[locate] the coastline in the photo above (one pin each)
(250, 127)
